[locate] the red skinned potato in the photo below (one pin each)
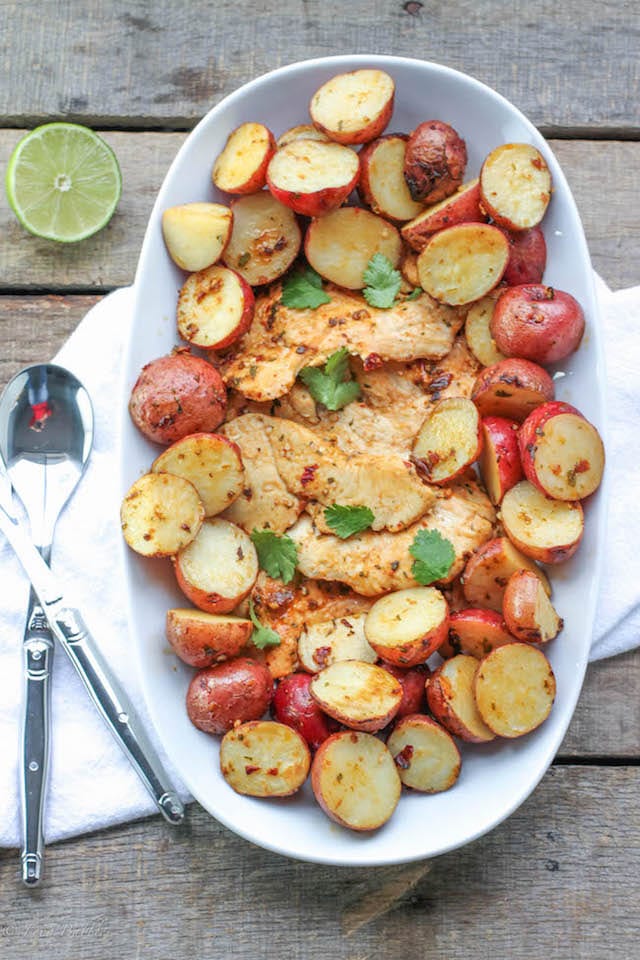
(500, 464)
(451, 700)
(406, 627)
(324, 643)
(211, 462)
(196, 234)
(476, 632)
(425, 754)
(221, 696)
(463, 263)
(361, 695)
(477, 330)
(527, 256)
(303, 131)
(265, 239)
(412, 682)
(215, 308)
(514, 689)
(354, 107)
(546, 530)
(294, 705)
(562, 453)
(435, 161)
(512, 388)
(242, 165)
(488, 570)
(448, 441)
(160, 515)
(202, 639)
(382, 186)
(340, 245)
(537, 322)
(527, 610)
(311, 177)
(515, 186)
(355, 780)
(218, 568)
(262, 758)
(462, 207)
(177, 395)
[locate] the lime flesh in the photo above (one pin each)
(63, 182)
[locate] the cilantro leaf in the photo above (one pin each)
(277, 555)
(332, 386)
(345, 521)
(415, 293)
(382, 282)
(303, 291)
(434, 556)
(262, 636)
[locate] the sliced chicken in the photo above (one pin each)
(452, 376)
(374, 563)
(282, 340)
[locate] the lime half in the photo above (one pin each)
(63, 182)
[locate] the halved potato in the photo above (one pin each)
(514, 688)
(477, 330)
(425, 754)
(358, 694)
(462, 207)
(463, 263)
(515, 185)
(527, 610)
(476, 631)
(354, 107)
(313, 177)
(451, 700)
(382, 185)
(215, 308)
(355, 780)
(321, 644)
(202, 639)
(512, 388)
(160, 515)
(435, 161)
(265, 239)
(488, 570)
(196, 234)
(340, 245)
(449, 440)
(546, 530)
(211, 462)
(407, 626)
(242, 165)
(500, 464)
(217, 570)
(303, 131)
(263, 758)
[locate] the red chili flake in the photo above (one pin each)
(581, 466)
(273, 772)
(373, 362)
(249, 768)
(321, 655)
(308, 474)
(403, 759)
(537, 163)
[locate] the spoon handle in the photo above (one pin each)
(36, 722)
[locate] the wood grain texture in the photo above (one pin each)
(559, 879)
(602, 175)
(164, 64)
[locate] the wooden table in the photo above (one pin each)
(559, 879)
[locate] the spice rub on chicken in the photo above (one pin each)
(282, 340)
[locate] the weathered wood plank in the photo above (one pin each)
(558, 879)
(603, 176)
(572, 66)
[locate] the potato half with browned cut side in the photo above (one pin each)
(196, 234)
(477, 330)
(512, 388)
(462, 207)
(382, 185)
(527, 610)
(488, 570)
(215, 308)
(202, 639)
(242, 165)
(217, 570)
(313, 177)
(515, 186)
(407, 626)
(265, 239)
(463, 263)
(354, 107)
(321, 644)
(263, 758)
(448, 441)
(475, 631)
(544, 529)
(303, 131)
(355, 780)
(514, 689)
(160, 515)
(500, 464)
(451, 700)
(425, 754)
(211, 462)
(358, 694)
(340, 245)
(435, 161)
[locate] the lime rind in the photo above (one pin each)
(63, 182)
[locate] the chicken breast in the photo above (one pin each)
(374, 563)
(283, 340)
(453, 376)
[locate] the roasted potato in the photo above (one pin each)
(515, 186)
(231, 692)
(406, 627)
(514, 689)
(265, 239)
(449, 440)
(358, 694)
(242, 165)
(196, 234)
(462, 207)
(476, 632)
(264, 759)
(527, 610)
(211, 462)
(546, 530)
(512, 388)
(537, 322)
(313, 177)
(435, 161)
(527, 256)
(202, 639)
(500, 464)
(215, 308)
(340, 245)
(477, 330)
(382, 186)
(294, 705)
(451, 700)
(488, 570)
(425, 754)
(463, 263)
(160, 515)
(218, 568)
(354, 107)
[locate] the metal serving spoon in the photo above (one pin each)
(46, 432)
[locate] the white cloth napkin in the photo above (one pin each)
(92, 784)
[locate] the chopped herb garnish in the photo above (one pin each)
(262, 636)
(277, 555)
(303, 291)
(383, 282)
(344, 521)
(332, 386)
(433, 556)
